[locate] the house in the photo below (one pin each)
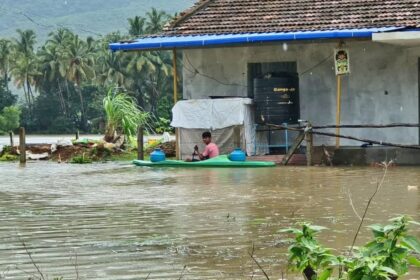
(228, 46)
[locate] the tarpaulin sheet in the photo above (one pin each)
(211, 113)
(219, 116)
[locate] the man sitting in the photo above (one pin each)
(210, 151)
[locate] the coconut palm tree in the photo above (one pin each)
(5, 49)
(58, 41)
(111, 69)
(24, 71)
(148, 73)
(25, 42)
(136, 26)
(59, 37)
(139, 66)
(50, 59)
(155, 21)
(77, 66)
(24, 66)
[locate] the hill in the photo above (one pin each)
(85, 17)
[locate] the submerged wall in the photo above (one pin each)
(382, 88)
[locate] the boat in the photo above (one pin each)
(219, 161)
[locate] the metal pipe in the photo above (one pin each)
(175, 73)
(338, 112)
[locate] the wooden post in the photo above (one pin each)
(12, 142)
(22, 145)
(294, 148)
(175, 66)
(309, 144)
(177, 144)
(338, 112)
(77, 135)
(175, 81)
(237, 137)
(140, 144)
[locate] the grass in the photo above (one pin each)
(86, 156)
(124, 156)
(81, 159)
(8, 157)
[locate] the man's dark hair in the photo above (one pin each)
(206, 134)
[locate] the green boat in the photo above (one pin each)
(220, 161)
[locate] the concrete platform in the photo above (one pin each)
(373, 155)
(352, 156)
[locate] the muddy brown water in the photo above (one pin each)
(117, 221)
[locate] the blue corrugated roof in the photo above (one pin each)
(200, 41)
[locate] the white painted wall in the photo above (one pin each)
(375, 67)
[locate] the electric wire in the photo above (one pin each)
(195, 71)
(208, 76)
(31, 18)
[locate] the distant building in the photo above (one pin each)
(232, 48)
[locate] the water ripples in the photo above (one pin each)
(116, 221)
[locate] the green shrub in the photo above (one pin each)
(9, 119)
(123, 115)
(81, 159)
(388, 256)
(163, 125)
(306, 255)
(8, 157)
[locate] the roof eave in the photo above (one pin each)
(222, 40)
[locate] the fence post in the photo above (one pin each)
(237, 137)
(309, 144)
(293, 149)
(12, 143)
(177, 143)
(22, 145)
(140, 144)
(77, 135)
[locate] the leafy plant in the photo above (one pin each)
(123, 116)
(9, 119)
(388, 256)
(8, 157)
(307, 256)
(163, 125)
(81, 159)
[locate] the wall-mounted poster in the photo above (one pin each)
(342, 61)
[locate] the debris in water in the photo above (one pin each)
(412, 188)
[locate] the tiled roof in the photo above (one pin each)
(253, 16)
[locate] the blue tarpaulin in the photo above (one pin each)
(200, 41)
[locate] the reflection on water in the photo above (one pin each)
(115, 221)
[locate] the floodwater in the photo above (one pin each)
(116, 221)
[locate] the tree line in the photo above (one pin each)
(65, 80)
